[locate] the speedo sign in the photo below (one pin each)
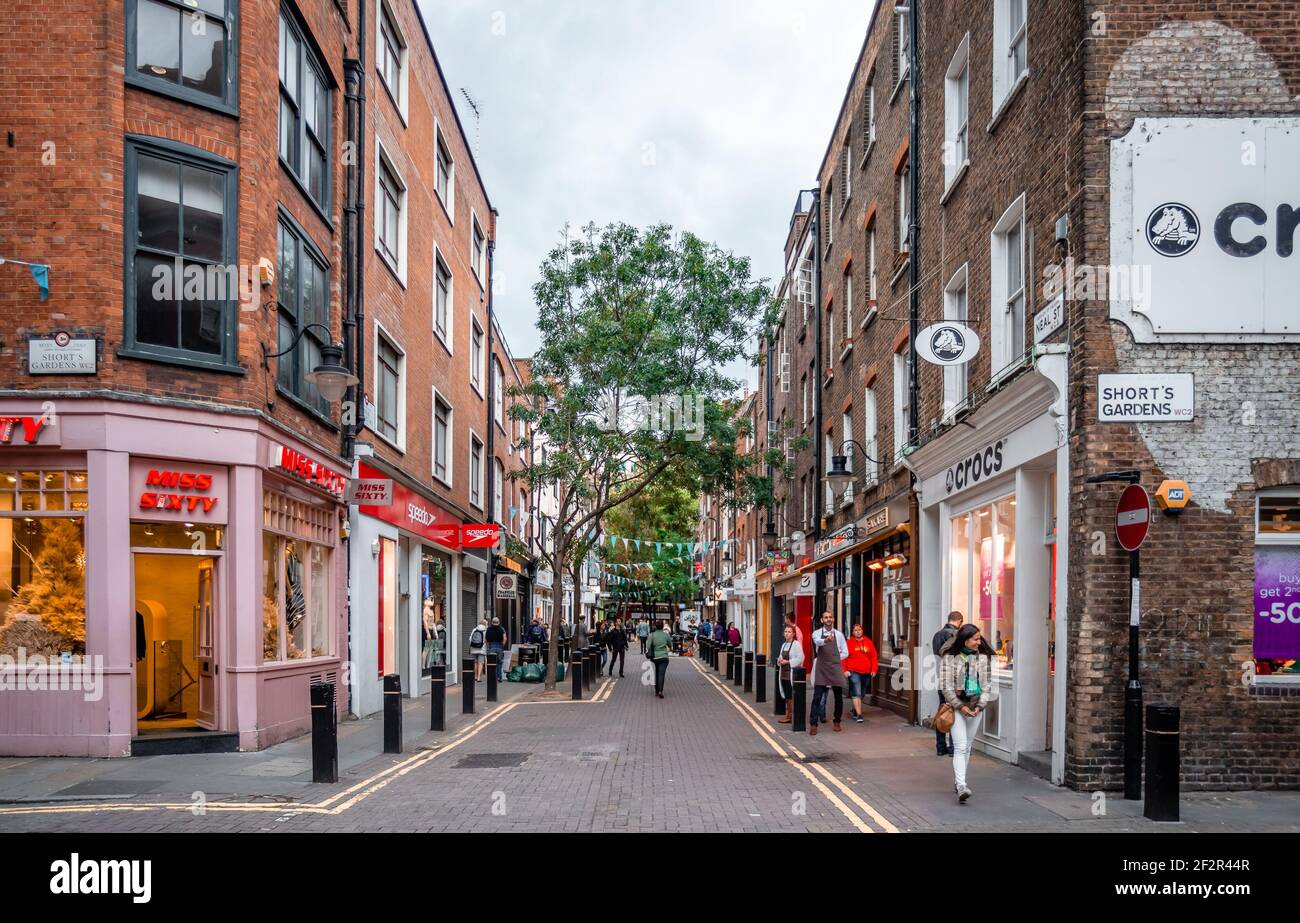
(975, 468)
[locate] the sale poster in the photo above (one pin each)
(1277, 602)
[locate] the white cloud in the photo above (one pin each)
(706, 114)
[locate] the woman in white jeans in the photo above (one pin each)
(966, 680)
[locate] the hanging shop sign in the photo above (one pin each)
(807, 585)
(414, 513)
(835, 541)
(170, 491)
(1146, 398)
(370, 491)
(1194, 231)
(29, 431)
(507, 586)
(479, 535)
(947, 343)
(62, 354)
(546, 578)
(307, 469)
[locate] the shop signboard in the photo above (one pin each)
(1138, 398)
(304, 468)
(29, 430)
(507, 586)
(479, 535)
(166, 490)
(1277, 602)
(414, 513)
(947, 343)
(807, 585)
(371, 491)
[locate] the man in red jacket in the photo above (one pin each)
(860, 666)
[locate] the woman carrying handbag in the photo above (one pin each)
(966, 679)
(788, 659)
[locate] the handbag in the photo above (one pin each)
(943, 719)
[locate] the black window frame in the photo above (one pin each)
(184, 155)
(309, 56)
(306, 250)
(228, 102)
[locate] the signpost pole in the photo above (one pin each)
(1133, 691)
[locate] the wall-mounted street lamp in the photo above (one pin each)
(840, 475)
(331, 377)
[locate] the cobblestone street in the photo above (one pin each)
(705, 758)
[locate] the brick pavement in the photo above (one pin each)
(703, 759)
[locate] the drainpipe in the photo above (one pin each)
(913, 308)
(819, 578)
(489, 602)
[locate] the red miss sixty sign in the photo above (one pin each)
(169, 481)
(308, 469)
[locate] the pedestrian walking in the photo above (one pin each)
(580, 633)
(598, 638)
(733, 634)
(966, 678)
(788, 659)
(643, 632)
(617, 648)
(478, 648)
(829, 653)
(719, 632)
(942, 741)
(860, 666)
(657, 647)
(496, 644)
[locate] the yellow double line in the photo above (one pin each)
(793, 757)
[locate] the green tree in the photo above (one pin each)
(637, 331)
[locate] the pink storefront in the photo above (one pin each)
(170, 578)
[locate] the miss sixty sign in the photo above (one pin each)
(182, 480)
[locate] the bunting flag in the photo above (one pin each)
(41, 275)
(638, 544)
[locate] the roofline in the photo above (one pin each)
(455, 114)
(848, 90)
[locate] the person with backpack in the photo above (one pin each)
(643, 632)
(966, 679)
(657, 647)
(496, 644)
(617, 640)
(942, 741)
(478, 649)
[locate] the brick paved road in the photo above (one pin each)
(703, 759)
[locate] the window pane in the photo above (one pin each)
(43, 597)
(288, 133)
(320, 600)
(1280, 515)
(290, 56)
(1004, 571)
(156, 319)
(176, 535)
(270, 598)
(158, 196)
(286, 371)
(203, 197)
(157, 40)
(295, 601)
(205, 55)
(201, 325)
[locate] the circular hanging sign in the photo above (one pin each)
(948, 343)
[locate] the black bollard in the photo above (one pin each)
(737, 665)
(467, 686)
(392, 713)
(1162, 763)
(492, 660)
(575, 673)
(588, 665)
(760, 678)
(324, 734)
(800, 697)
(749, 671)
(778, 697)
(438, 698)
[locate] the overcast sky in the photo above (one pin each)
(709, 115)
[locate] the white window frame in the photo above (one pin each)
(1002, 353)
(477, 256)
(870, 313)
(903, 65)
(447, 336)
(399, 93)
(498, 491)
(846, 174)
(449, 459)
(903, 204)
(871, 436)
(829, 450)
(848, 309)
(498, 399)
(846, 436)
(1007, 75)
(476, 483)
(956, 120)
(440, 144)
(869, 130)
(400, 444)
(828, 210)
(956, 307)
(384, 163)
(477, 366)
(900, 402)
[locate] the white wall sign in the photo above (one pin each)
(947, 343)
(61, 354)
(807, 585)
(1203, 226)
(506, 585)
(1050, 319)
(1145, 398)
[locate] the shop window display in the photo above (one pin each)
(1277, 584)
(433, 580)
(982, 573)
(43, 560)
(295, 594)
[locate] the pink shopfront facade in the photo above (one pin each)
(167, 575)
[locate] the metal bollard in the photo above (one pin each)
(749, 671)
(467, 686)
(575, 674)
(737, 665)
(778, 698)
(492, 661)
(392, 713)
(720, 658)
(324, 734)
(1162, 763)
(588, 664)
(438, 698)
(760, 678)
(799, 680)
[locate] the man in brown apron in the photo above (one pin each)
(830, 650)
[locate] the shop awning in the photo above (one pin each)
(855, 548)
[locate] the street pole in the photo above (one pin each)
(1133, 691)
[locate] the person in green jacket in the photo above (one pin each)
(657, 647)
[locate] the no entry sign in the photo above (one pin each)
(1133, 517)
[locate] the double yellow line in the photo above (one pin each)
(795, 758)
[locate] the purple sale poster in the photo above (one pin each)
(1277, 602)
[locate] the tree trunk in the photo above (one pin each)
(557, 613)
